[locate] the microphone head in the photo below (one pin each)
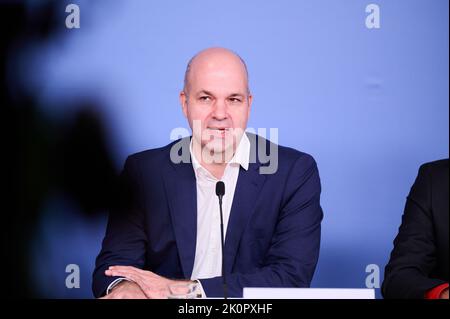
(220, 188)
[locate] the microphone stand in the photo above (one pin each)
(223, 252)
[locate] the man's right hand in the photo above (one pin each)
(126, 290)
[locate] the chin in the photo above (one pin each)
(218, 149)
(216, 146)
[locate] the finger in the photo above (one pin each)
(136, 276)
(124, 273)
(156, 294)
(163, 293)
(122, 267)
(112, 272)
(108, 272)
(129, 275)
(131, 268)
(126, 268)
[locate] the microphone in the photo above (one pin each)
(220, 191)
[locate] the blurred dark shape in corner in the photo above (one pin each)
(87, 171)
(42, 156)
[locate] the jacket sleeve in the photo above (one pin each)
(407, 275)
(125, 240)
(294, 250)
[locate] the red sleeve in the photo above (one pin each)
(435, 292)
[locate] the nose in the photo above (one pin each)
(220, 110)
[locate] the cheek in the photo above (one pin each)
(239, 116)
(199, 118)
(197, 114)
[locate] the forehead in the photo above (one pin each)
(218, 73)
(219, 82)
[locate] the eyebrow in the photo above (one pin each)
(209, 93)
(237, 95)
(205, 92)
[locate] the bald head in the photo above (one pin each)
(220, 61)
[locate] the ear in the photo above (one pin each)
(183, 102)
(250, 100)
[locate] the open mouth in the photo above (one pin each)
(218, 131)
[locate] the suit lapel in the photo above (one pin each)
(181, 190)
(245, 196)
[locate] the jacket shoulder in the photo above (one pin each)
(434, 167)
(286, 157)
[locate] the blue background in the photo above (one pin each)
(370, 105)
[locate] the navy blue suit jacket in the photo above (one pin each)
(273, 234)
(420, 258)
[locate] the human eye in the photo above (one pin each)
(205, 98)
(235, 99)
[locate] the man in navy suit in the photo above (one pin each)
(419, 263)
(164, 225)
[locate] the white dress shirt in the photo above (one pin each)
(208, 250)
